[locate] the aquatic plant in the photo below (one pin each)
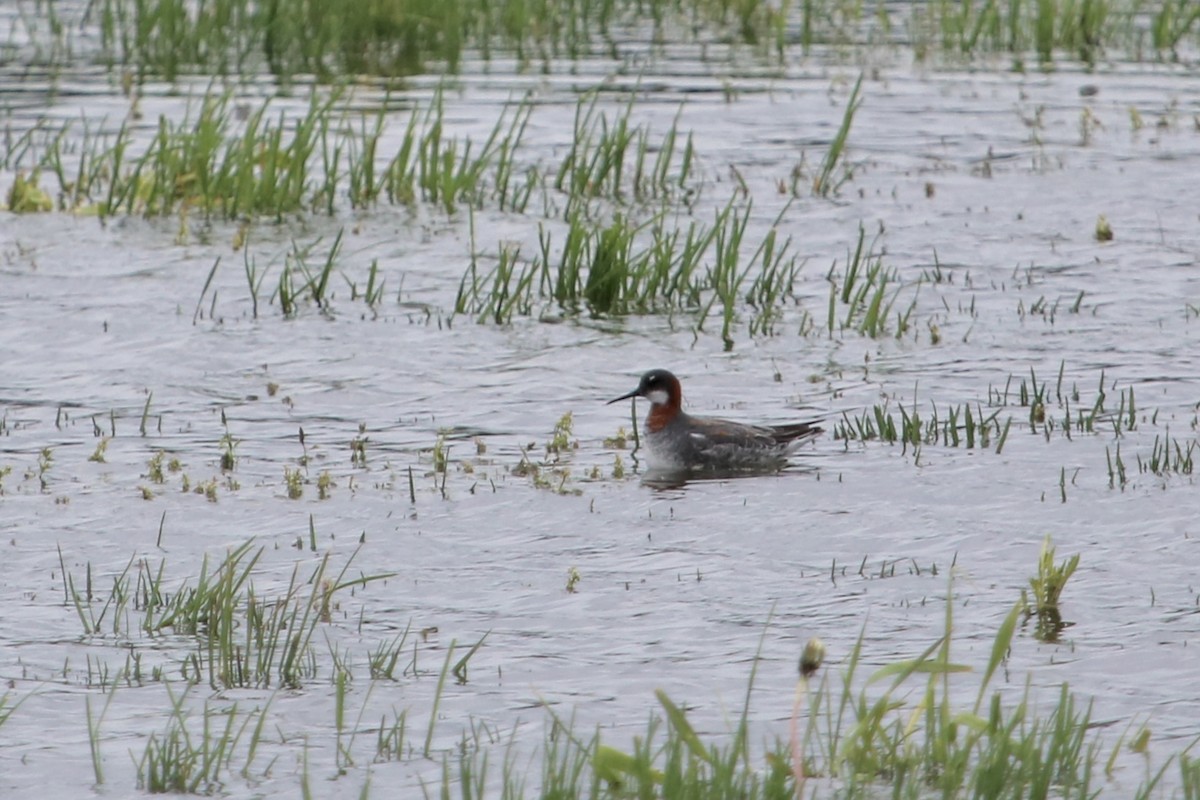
(168, 40)
(1045, 589)
(318, 37)
(909, 738)
(26, 196)
(868, 291)
(596, 164)
(959, 427)
(232, 159)
(8, 707)
(436, 168)
(243, 639)
(825, 184)
(179, 759)
(1168, 456)
(616, 269)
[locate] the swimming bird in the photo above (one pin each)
(678, 441)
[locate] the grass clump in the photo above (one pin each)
(959, 427)
(331, 38)
(612, 269)
(242, 638)
(613, 159)
(868, 291)
(1045, 589)
(325, 38)
(26, 195)
(226, 158)
(182, 760)
(435, 168)
(1169, 456)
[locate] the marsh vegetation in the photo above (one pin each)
(306, 484)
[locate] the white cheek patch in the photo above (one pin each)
(657, 396)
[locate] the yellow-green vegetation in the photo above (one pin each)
(618, 440)
(208, 488)
(358, 451)
(44, 462)
(441, 455)
(228, 450)
(1045, 589)
(213, 162)
(98, 454)
(325, 485)
(26, 196)
(270, 164)
(245, 642)
(560, 441)
(293, 481)
(155, 467)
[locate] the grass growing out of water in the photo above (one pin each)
(236, 160)
(8, 707)
(242, 639)
(298, 282)
(868, 291)
(616, 269)
(595, 166)
(906, 730)
(959, 427)
(825, 184)
(438, 169)
(1078, 415)
(321, 37)
(1052, 28)
(924, 725)
(1045, 589)
(1169, 456)
(327, 39)
(181, 760)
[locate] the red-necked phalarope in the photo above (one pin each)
(678, 441)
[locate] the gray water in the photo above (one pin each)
(984, 171)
